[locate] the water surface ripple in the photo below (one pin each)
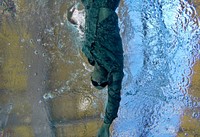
(161, 46)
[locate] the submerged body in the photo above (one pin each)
(103, 48)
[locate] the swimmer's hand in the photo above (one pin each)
(104, 130)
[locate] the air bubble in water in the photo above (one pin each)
(48, 96)
(36, 52)
(194, 114)
(22, 40)
(38, 40)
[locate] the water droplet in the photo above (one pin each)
(35, 74)
(48, 96)
(194, 114)
(195, 104)
(31, 40)
(38, 40)
(35, 52)
(44, 44)
(43, 82)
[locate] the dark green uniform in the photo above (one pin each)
(103, 48)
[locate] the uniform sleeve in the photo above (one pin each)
(114, 97)
(91, 20)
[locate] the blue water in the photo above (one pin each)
(161, 45)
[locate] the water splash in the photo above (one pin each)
(159, 56)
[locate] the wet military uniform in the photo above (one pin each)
(103, 48)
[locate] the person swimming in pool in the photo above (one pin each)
(103, 49)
